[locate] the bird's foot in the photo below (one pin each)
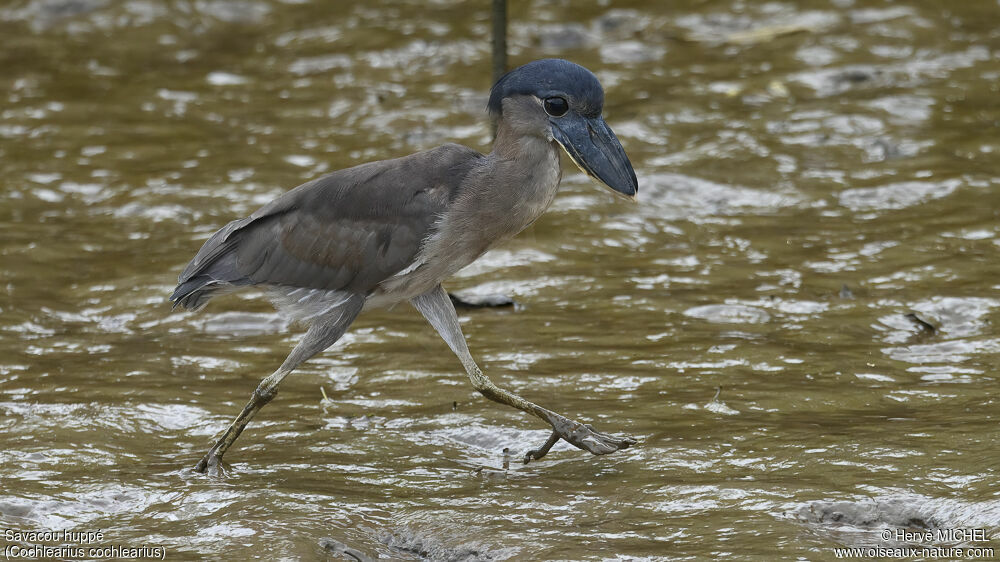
(212, 464)
(581, 436)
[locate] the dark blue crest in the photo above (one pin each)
(551, 77)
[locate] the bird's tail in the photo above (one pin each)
(192, 294)
(219, 278)
(212, 272)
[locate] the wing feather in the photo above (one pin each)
(349, 230)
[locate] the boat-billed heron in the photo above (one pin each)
(390, 231)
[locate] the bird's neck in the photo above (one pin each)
(520, 157)
(513, 144)
(527, 162)
(524, 171)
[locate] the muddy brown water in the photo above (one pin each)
(810, 174)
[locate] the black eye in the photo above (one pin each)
(556, 107)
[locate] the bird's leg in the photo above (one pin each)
(324, 332)
(265, 392)
(436, 307)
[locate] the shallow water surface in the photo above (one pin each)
(797, 319)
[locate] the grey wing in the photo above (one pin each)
(349, 230)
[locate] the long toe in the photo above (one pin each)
(540, 452)
(604, 443)
(587, 438)
(534, 455)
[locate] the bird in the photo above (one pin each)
(389, 231)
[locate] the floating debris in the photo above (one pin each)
(846, 292)
(482, 301)
(766, 34)
(325, 401)
(868, 515)
(924, 325)
(336, 547)
(415, 543)
(719, 407)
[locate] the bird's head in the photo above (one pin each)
(563, 101)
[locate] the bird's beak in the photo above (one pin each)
(595, 149)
